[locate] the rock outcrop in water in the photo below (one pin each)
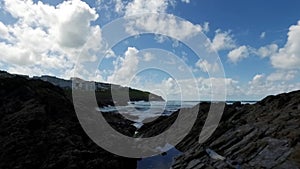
(39, 129)
(263, 135)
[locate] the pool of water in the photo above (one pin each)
(159, 161)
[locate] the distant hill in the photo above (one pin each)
(103, 90)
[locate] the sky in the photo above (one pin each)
(180, 49)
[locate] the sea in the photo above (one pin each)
(142, 110)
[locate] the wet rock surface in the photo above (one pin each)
(39, 129)
(263, 135)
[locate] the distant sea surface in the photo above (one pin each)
(154, 108)
(143, 110)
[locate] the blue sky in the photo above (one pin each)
(257, 42)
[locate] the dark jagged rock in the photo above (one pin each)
(39, 129)
(263, 135)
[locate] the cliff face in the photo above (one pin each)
(39, 129)
(263, 135)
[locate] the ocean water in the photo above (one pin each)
(140, 111)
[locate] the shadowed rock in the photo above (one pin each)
(39, 129)
(263, 135)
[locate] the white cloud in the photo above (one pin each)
(238, 54)
(71, 15)
(160, 38)
(110, 54)
(216, 86)
(3, 31)
(168, 87)
(262, 86)
(262, 35)
(166, 25)
(192, 89)
(222, 41)
(119, 6)
(259, 87)
(170, 61)
(205, 66)
(48, 38)
(109, 8)
(27, 70)
(125, 67)
(181, 68)
(148, 57)
(257, 79)
(141, 6)
(267, 51)
(206, 27)
(186, 1)
(288, 57)
(282, 75)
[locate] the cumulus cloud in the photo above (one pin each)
(257, 79)
(282, 75)
(238, 54)
(288, 57)
(206, 27)
(261, 86)
(3, 31)
(148, 57)
(74, 19)
(27, 70)
(166, 25)
(267, 51)
(186, 1)
(222, 41)
(205, 66)
(48, 38)
(141, 6)
(202, 88)
(119, 6)
(133, 7)
(125, 67)
(109, 54)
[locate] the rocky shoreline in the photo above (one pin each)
(262, 135)
(39, 129)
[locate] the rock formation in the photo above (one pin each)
(39, 129)
(263, 135)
